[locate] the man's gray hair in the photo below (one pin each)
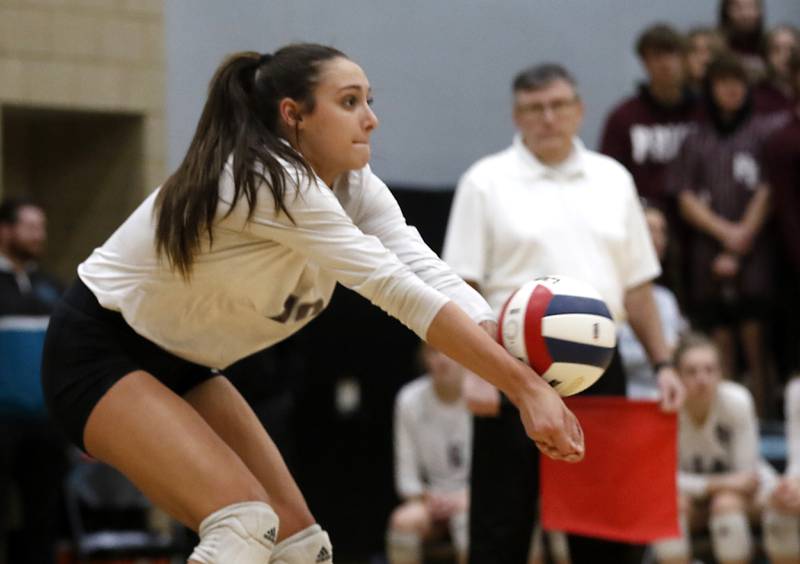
(540, 76)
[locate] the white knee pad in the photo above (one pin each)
(309, 546)
(243, 533)
(559, 548)
(730, 536)
(781, 535)
(403, 547)
(676, 548)
(459, 531)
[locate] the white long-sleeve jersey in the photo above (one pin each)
(432, 441)
(727, 441)
(264, 278)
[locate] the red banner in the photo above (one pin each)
(625, 489)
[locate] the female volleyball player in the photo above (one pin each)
(272, 205)
(723, 482)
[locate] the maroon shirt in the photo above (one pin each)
(646, 136)
(768, 99)
(723, 168)
(782, 169)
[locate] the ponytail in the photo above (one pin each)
(240, 117)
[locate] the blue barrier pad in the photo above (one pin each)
(21, 343)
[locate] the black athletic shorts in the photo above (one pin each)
(89, 348)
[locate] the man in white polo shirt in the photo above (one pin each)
(547, 205)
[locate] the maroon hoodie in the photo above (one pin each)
(646, 136)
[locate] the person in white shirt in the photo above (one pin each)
(781, 524)
(432, 446)
(722, 480)
(273, 204)
(546, 205)
(639, 377)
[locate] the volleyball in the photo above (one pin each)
(561, 328)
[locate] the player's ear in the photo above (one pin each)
(290, 112)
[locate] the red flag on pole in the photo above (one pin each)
(625, 488)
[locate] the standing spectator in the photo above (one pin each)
(725, 200)
(645, 132)
(782, 164)
(704, 43)
(775, 92)
(32, 454)
(433, 442)
(640, 379)
(722, 480)
(547, 205)
(741, 22)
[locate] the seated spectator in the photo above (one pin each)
(645, 131)
(704, 44)
(782, 516)
(775, 93)
(641, 381)
(433, 442)
(722, 481)
(724, 200)
(741, 23)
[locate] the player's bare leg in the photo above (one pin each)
(168, 450)
(229, 415)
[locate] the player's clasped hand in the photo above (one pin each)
(552, 426)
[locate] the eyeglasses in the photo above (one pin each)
(558, 108)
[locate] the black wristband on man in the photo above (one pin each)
(657, 366)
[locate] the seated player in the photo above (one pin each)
(722, 481)
(782, 515)
(433, 442)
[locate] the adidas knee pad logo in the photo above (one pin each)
(323, 555)
(271, 535)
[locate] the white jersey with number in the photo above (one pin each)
(266, 277)
(432, 441)
(727, 441)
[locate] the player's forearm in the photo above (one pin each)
(737, 482)
(453, 333)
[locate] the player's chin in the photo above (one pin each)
(361, 154)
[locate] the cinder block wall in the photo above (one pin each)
(82, 102)
(98, 55)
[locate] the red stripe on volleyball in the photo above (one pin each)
(538, 356)
(500, 321)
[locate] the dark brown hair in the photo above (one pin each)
(240, 118)
(660, 38)
(726, 65)
(689, 341)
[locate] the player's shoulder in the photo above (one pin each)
(412, 392)
(734, 396)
